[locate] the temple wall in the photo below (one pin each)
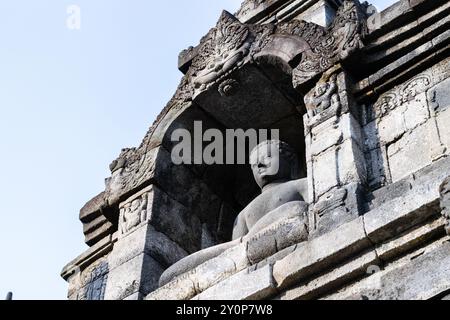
(374, 117)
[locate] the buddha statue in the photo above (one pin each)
(275, 169)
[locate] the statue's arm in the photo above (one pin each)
(302, 187)
(240, 228)
(287, 211)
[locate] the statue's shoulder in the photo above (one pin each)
(301, 182)
(302, 186)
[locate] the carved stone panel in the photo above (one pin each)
(96, 282)
(445, 202)
(133, 212)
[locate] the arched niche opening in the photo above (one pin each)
(258, 95)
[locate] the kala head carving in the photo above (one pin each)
(221, 50)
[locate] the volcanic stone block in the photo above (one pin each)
(180, 289)
(325, 172)
(445, 202)
(315, 255)
(443, 120)
(245, 285)
(410, 240)
(353, 269)
(413, 151)
(333, 132)
(371, 135)
(140, 274)
(351, 163)
(176, 221)
(392, 126)
(416, 111)
(147, 240)
(392, 218)
(439, 95)
(422, 278)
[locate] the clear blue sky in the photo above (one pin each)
(69, 101)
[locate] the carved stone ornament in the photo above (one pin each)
(323, 96)
(248, 6)
(445, 202)
(226, 48)
(221, 51)
(333, 44)
(228, 87)
(133, 213)
(402, 94)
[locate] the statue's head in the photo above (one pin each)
(273, 160)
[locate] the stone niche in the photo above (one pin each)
(361, 97)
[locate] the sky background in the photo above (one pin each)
(70, 100)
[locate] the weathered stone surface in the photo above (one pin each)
(439, 95)
(311, 257)
(421, 278)
(140, 274)
(135, 211)
(179, 289)
(396, 216)
(339, 206)
(351, 163)
(217, 269)
(391, 14)
(102, 231)
(357, 267)
(250, 98)
(392, 126)
(146, 240)
(443, 119)
(445, 202)
(78, 272)
(325, 172)
(184, 186)
(246, 285)
(416, 111)
(333, 132)
(377, 170)
(243, 74)
(337, 158)
(88, 282)
(251, 9)
(176, 221)
(92, 208)
(410, 240)
(277, 256)
(413, 151)
(276, 238)
(428, 178)
(205, 275)
(371, 135)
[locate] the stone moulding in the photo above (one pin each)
(445, 203)
(227, 47)
(87, 274)
(382, 235)
(400, 222)
(320, 48)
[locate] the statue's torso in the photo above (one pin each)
(273, 198)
